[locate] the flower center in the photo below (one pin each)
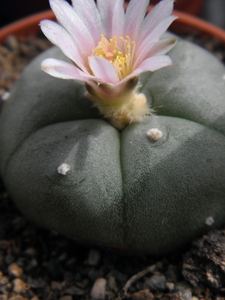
(119, 51)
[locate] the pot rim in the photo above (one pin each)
(20, 27)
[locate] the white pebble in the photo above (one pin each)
(63, 169)
(154, 134)
(209, 221)
(224, 77)
(98, 289)
(170, 285)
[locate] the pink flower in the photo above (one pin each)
(109, 49)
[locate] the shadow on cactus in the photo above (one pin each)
(110, 156)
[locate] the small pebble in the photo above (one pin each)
(3, 289)
(9, 259)
(209, 221)
(73, 290)
(19, 286)
(139, 285)
(172, 273)
(109, 295)
(170, 285)
(36, 283)
(11, 42)
(33, 263)
(156, 281)
(3, 280)
(31, 251)
(9, 286)
(98, 289)
(112, 284)
(14, 270)
(93, 257)
(199, 291)
(143, 295)
(56, 286)
(185, 290)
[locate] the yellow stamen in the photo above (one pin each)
(119, 51)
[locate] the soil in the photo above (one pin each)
(41, 264)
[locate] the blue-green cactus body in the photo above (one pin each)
(123, 188)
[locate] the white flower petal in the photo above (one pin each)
(158, 48)
(87, 10)
(103, 69)
(69, 19)
(112, 15)
(159, 12)
(106, 10)
(135, 13)
(61, 69)
(162, 47)
(60, 37)
(154, 63)
(150, 64)
(118, 18)
(156, 33)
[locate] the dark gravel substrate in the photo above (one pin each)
(40, 264)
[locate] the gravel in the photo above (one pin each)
(40, 264)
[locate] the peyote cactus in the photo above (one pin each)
(150, 187)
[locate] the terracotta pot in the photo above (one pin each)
(187, 6)
(185, 23)
(25, 8)
(25, 26)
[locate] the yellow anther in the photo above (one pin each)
(119, 51)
